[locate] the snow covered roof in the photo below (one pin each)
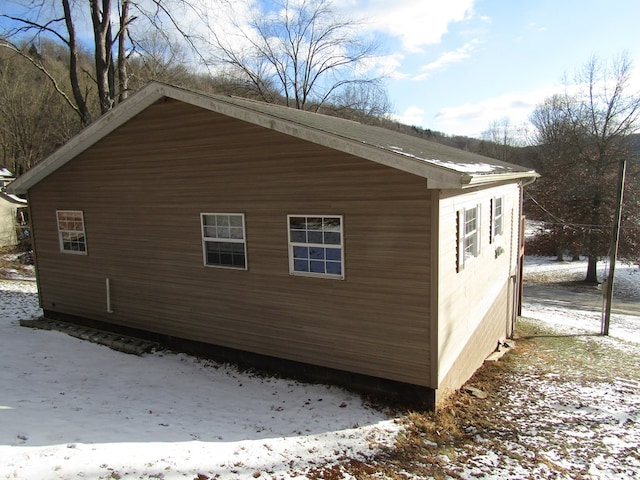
(4, 173)
(12, 198)
(441, 165)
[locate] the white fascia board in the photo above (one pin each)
(478, 180)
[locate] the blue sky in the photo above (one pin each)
(459, 65)
(456, 66)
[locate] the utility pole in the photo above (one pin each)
(615, 238)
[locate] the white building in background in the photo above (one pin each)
(13, 212)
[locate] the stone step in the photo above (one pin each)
(500, 351)
(121, 343)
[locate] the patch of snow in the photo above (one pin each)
(461, 167)
(75, 409)
(627, 276)
(15, 198)
(563, 315)
(467, 167)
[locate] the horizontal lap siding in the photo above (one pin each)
(142, 190)
(474, 310)
(479, 343)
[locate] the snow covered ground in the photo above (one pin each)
(71, 409)
(567, 317)
(577, 418)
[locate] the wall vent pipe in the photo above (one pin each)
(108, 284)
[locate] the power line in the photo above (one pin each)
(543, 209)
(562, 222)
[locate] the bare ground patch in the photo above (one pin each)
(15, 263)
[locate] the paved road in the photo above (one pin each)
(580, 297)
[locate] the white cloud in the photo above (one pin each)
(389, 66)
(411, 116)
(416, 23)
(446, 59)
(472, 119)
(535, 27)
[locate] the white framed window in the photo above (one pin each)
(468, 235)
(316, 245)
(497, 217)
(71, 232)
(224, 240)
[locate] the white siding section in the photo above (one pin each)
(466, 295)
(7, 223)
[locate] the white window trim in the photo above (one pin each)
(462, 261)
(60, 232)
(291, 244)
(225, 240)
(494, 218)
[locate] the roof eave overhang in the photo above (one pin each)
(14, 200)
(469, 181)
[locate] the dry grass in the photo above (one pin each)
(447, 443)
(431, 441)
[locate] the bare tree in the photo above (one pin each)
(300, 52)
(365, 105)
(122, 36)
(499, 140)
(581, 137)
(34, 119)
(159, 57)
(47, 20)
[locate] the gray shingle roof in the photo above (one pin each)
(394, 142)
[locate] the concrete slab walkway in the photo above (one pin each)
(121, 343)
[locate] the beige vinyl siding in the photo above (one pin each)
(142, 190)
(474, 306)
(478, 344)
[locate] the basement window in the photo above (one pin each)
(223, 240)
(71, 231)
(316, 246)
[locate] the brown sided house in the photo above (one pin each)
(282, 238)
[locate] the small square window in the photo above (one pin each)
(71, 231)
(315, 246)
(223, 240)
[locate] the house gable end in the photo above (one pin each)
(443, 167)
